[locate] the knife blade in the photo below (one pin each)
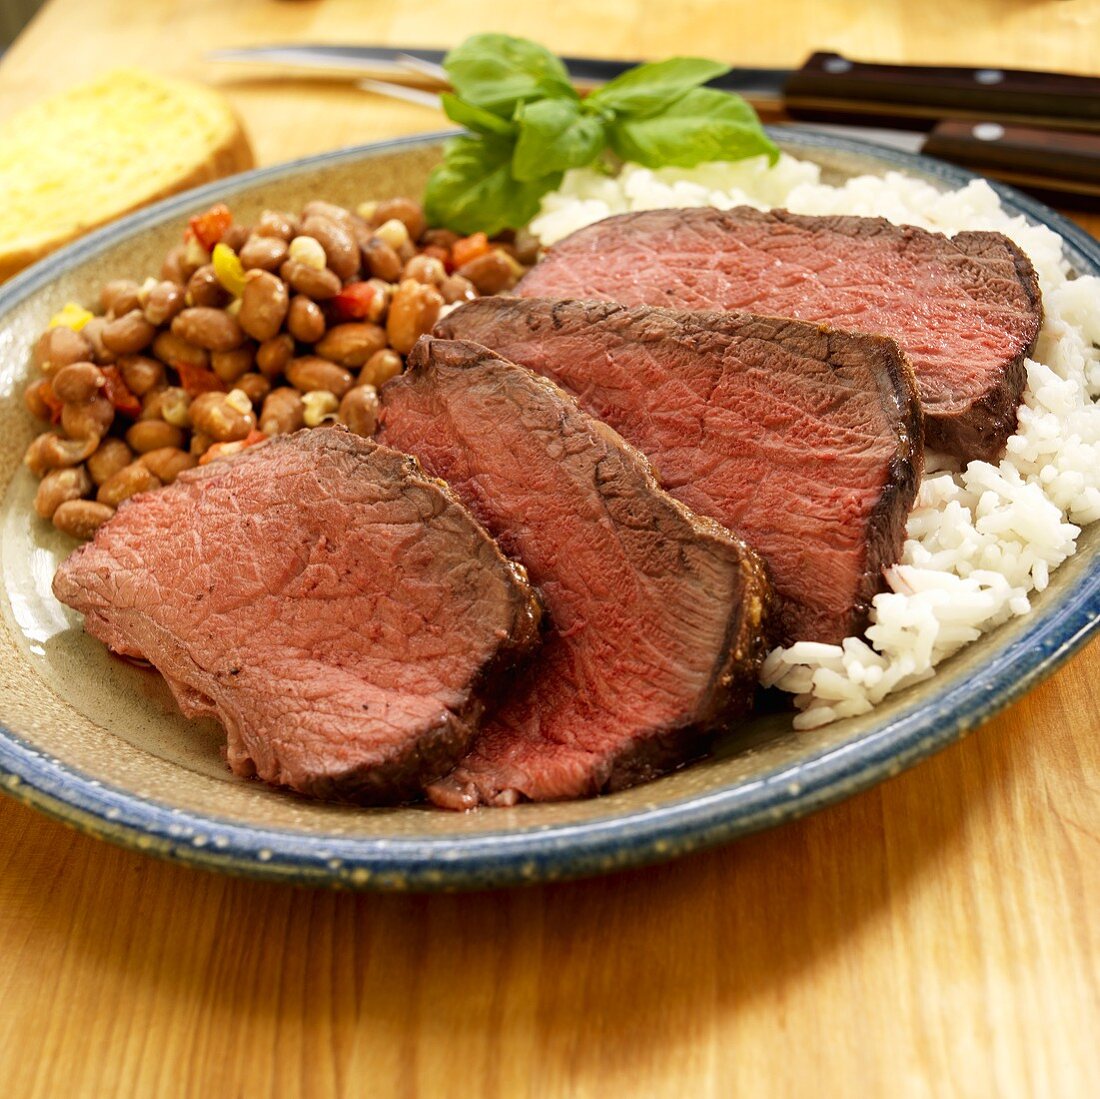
(1005, 144)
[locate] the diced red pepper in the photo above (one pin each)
(210, 226)
(119, 394)
(198, 379)
(51, 400)
(469, 248)
(353, 302)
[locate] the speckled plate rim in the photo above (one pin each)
(552, 852)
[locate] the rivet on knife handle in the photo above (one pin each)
(830, 87)
(1050, 160)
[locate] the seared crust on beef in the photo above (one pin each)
(804, 441)
(657, 616)
(966, 309)
(338, 610)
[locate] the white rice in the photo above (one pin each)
(980, 540)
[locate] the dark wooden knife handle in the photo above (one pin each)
(830, 87)
(1025, 155)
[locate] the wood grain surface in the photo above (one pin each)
(936, 936)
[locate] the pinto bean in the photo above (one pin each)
(174, 350)
(341, 250)
(457, 288)
(90, 420)
(380, 367)
(413, 312)
(382, 261)
(58, 486)
(318, 283)
(350, 344)
(204, 289)
(170, 404)
(283, 412)
(235, 236)
(492, 272)
(141, 373)
(410, 213)
(359, 410)
(163, 301)
(78, 382)
(274, 223)
(93, 333)
(127, 482)
(212, 329)
(273, 355)
(231, 365)
(168, 462)
(60, 346)
(305, 321)
(81, 518)
(254, 386)
(225, 417)
(264, 305)
(109, 457)
(426, 269)
(310, 373)
(147, 435)
(439, 238)
(53, 451)
(128, 334)
(263, 253)
(35, 398)
(319, 208)
(120, 296)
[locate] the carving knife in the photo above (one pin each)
(1034, 129)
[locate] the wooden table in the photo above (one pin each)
(935, 936)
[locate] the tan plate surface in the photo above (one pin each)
(116, 725)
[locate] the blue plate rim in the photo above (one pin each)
(548, 852)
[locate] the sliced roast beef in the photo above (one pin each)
(656, 616)
(967, 310)
(803, 441)
(338, 611)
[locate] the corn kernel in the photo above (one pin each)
(194, 254)
(319, 405)
(308, 251)
(366, 210)
(239, 399)
(394, 233)
(145, 290)
(228, 269)
(71, 316)
(175, 407)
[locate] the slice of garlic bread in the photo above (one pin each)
(95, 152)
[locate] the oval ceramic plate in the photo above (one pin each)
(98, 743)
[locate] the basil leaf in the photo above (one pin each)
(498, 72)
(475, 118)
(703, 125)
(473, 190)
(554, 136)
(647, 88)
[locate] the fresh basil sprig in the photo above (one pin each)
(528, 126)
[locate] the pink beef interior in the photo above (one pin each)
(965, 310)
(804, 442)
(655, 615)
(331, 605)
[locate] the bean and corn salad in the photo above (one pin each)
(250, 331)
